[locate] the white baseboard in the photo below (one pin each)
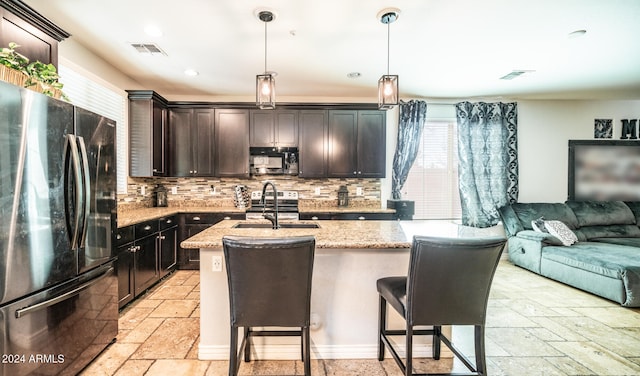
(290, 352)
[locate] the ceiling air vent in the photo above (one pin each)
(514, 74)
(148, 48)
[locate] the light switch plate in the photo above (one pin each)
(359, 191)
(174, 190)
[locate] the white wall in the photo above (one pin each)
(544, 129)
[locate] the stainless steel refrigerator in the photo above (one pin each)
(59, 291)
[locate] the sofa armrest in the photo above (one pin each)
(539, 237)
(525, 249)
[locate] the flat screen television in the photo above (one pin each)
(604, 170)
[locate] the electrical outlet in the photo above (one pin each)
(174, 190)
(359, 191)
(317, 191)
(143, 190)
(216, 263)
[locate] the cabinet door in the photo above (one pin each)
(125, 272)
(180, 147)
(232, 143)
(286, 128)
(313, 128)
(146, 264)
(34, 43)
(147, 134)
(261, 131)
(371, 147)
(342, 161)
(168, 250)
(158, 155)
(203, 141)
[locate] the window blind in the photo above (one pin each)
(433, 179)
(89, 94)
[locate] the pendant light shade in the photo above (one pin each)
(265, 82)
(388, 96)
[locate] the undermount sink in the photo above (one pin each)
(282, 225)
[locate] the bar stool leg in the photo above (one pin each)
(306, 357)
(382, 326)
(233, 348)
(247, 344)
(481, 366)
(437, 331)
(409, 363)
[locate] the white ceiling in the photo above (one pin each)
(440, 48)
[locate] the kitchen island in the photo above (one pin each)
(350, 256)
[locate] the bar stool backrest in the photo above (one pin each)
(449, 279)
(269, 280)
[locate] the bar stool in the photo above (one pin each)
(269, 285)
(448, 284)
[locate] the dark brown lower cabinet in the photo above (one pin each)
(146, 253)
(191, 224)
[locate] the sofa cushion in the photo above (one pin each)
(635, 209)
(597, 213)
(610, 260)
(631, 242)
(510, 221)
(528, 212)
(610, 231)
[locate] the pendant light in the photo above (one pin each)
(388, 83)
(265, 82)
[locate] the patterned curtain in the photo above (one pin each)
(412, 117)
(488, 160)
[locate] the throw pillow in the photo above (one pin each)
(561, 231)
(538, 225)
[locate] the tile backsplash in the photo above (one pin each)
(193, 192)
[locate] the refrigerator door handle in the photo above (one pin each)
(86, 190)
(73, 228)
(48, 303)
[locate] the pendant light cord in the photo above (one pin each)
(265, 47)
(388, 45)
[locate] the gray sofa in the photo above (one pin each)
(606, 259)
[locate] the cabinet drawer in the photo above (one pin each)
(167, 222)
(146, 228)
(125, 235)
(209, 218)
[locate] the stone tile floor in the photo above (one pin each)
(535, 326)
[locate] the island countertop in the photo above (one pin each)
(330, 234)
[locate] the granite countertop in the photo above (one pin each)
(133, 216)
(331, 234)
(138, 215)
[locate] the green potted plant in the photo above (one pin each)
(36, 75)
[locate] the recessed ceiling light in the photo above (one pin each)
(354, 74)
(153, 31)
(577, 33)
(191, 72)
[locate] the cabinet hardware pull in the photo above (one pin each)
(169, 221)
(227, 218)
(314, 218)
(196, 218)
(118, 236)
(147, 228)
(361, 218)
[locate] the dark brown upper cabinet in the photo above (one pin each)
(37, 36)
(313, 138)
(232, 142)
(357, 144)
(147, 134)
(269, 128)
(191, 142)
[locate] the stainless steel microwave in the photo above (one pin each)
(273, 161)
